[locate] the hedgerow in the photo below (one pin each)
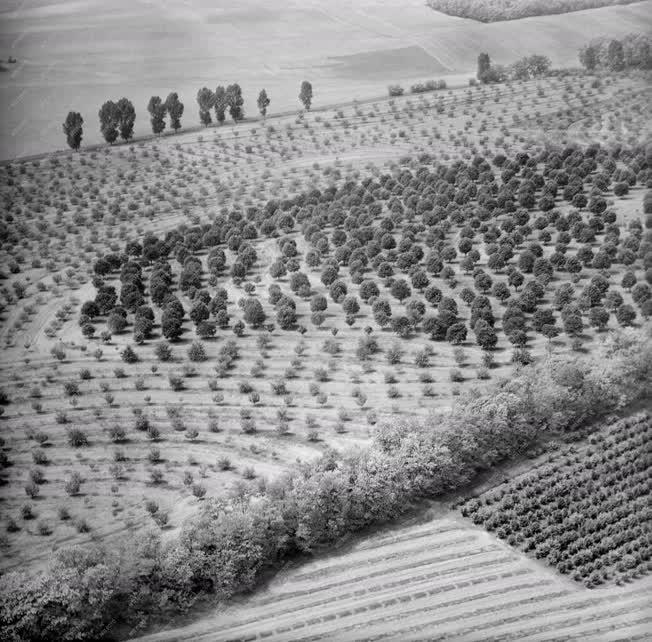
(97, 593)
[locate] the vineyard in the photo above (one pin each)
(585, 512)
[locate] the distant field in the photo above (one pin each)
(496, 10)
(75, 55)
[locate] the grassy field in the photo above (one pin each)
(76, 55)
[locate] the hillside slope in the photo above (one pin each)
(347, 49)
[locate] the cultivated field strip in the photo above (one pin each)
(438, 565)
(435, 581)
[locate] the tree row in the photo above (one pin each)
(117, 118)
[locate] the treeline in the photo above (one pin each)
(418, 88)
(633, 51)
(118, 118)
(97, 593)
(527, 68)
(496, 10)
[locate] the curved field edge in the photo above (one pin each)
(502, 10)
(92, 593)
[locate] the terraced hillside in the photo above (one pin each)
(162, 429)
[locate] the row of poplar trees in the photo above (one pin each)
(118, 118)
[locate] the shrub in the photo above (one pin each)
(178, 424)
(32, 489)
(72, 486)
(176, 382)
(153, 433)
(76, 437)
(163, 351)
(128, 355)
(393, 392)
(321, 374)
(63, 513)
(223, 463)
(279, 387)
(198, 491)
(456, 376)
(71, 388)
(58, 352)
(394, 354)
(422, 358)
(40, 457)
(37, 476)
(197, 352)
(44, 528)
(117, 434)
(247, 425)
(522, 357)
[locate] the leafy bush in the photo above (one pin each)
(77, 437)
(72, 486)
(197, 352)
(128, 355)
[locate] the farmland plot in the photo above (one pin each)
(585, 513)
(443, 579)
(76, 209)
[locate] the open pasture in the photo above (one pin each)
(163, 432)
(76, 55)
